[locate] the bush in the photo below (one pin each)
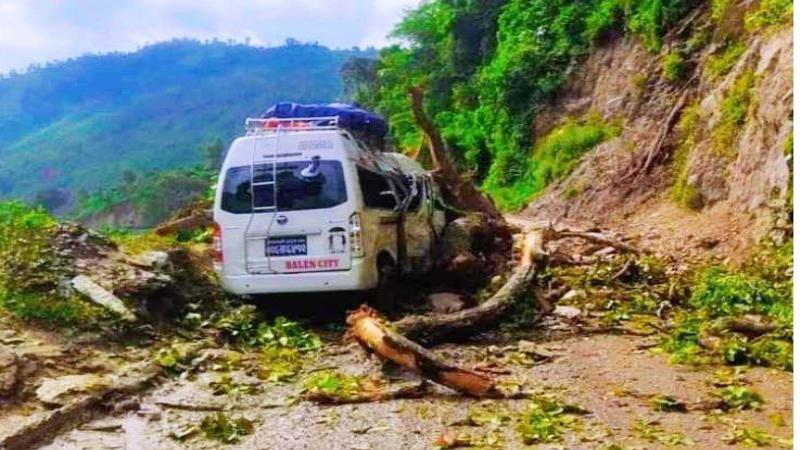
(674, 67)
(735, 107)
(554, 156)
(769, 14)
(26, 252)
(721, 63)
(725, 293)
(52, 310)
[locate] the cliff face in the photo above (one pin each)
(719, 141)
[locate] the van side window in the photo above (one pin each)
(372, 186)
(236, 191)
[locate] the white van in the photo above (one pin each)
(304, 206)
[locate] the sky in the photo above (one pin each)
(37, 31)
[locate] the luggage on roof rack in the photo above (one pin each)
(350, 117)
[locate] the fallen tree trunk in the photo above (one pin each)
(198, 219)
(373, 334)
(462, 193)
(432, 329)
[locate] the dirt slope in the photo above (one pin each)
(735, 190)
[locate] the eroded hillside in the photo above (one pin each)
(718, 139)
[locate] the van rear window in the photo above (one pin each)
(300, 185)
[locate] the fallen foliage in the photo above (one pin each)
(220, 427)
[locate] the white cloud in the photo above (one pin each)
(36, 31)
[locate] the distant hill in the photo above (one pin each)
(78, 125)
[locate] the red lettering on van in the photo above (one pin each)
(308, 264)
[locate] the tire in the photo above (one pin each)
(384, 295)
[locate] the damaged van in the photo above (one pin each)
(307, 201)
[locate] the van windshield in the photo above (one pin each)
(300, 185)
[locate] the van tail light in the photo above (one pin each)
(356, 236)
(217, 243)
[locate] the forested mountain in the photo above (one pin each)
(78, 125)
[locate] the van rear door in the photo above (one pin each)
(307, 230)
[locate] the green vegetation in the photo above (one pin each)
(90, 119)
(26, 248)
(175, 358)
(280, 364)
(336, 385)
(735, 107)
(242, 326)
(739, 398)
(554, 156)
(682, 192)
(545, 420)
(156, 196)
(220, 427)
(489, 66)
(719, 8)
(675, 67)
(753, 437)
(29, 273)
(769, 15)
(762, 288)
(667, 403)
(722, 62)
(653, 432)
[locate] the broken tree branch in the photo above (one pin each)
(462, 192)
(601, 239)
(373, 334)
(391, 392)
(430, 329)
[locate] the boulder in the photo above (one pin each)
(102, 297)
(446, 302)
(57, 391)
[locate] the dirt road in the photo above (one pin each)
(614, 377)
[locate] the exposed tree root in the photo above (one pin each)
(432, 329)
(376, 336)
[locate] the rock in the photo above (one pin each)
(9, 371)
(446, 302)
(573, 294)
(151, 259)
(56, 391)
(102, 297)
(38, 350)
(567, 312)
(464, 264)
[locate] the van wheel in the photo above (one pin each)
(384, 295)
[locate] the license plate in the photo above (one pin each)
(287, 246)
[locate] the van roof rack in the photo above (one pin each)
(259, 126)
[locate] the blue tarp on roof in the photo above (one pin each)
(350, 117)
